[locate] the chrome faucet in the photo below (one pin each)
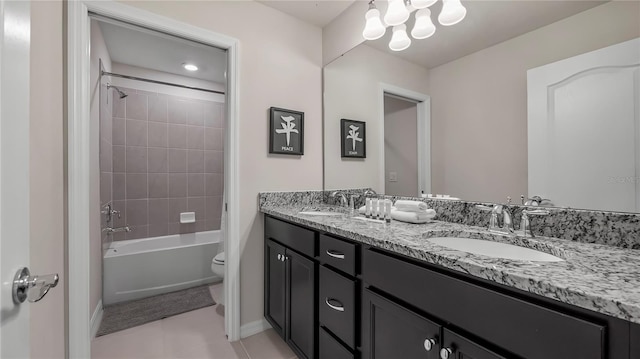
(111, 231)
(344, 202)
(507, 222)
(369, 192)
(525, 224)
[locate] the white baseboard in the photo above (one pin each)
(96, 319)
(249, 329)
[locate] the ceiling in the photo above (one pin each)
(147, 49)
(487, 23)
(316, 12)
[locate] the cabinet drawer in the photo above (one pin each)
(338, 254)
(337, 305)
(520, 327)
(297, 238)
(331, 349)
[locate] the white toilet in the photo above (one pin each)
(217, 267)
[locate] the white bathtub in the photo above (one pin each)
(140, 268)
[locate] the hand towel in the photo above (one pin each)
(413, 217)
(411, 206)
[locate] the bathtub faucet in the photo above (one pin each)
(111, 231)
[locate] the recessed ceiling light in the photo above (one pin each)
(190, 67)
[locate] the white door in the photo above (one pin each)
(14, 175)
(15, 41)
(584, 129)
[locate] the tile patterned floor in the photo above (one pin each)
(195, 334)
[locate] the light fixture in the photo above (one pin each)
(373, 29)
(421, 4)
(399, 11)
(399, 40)
(452, 12)
(190, 67)
(423, 27)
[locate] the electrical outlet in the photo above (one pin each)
(393, 176)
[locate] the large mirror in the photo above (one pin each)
(533, 98)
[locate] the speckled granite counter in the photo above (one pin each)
(600, 278)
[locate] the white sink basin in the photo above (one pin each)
(494, 249)
(320, 213)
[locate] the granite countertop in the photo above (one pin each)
(600, 278)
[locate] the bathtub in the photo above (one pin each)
(139, 268)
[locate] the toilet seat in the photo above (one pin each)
(219, 258)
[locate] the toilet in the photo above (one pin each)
(217, 267)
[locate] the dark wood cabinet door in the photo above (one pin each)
(301, 304)
(457, 347)
(391, 331)
(275, 285)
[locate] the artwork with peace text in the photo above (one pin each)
(286, 131)
(353, 142)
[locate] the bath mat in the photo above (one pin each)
(137, 312)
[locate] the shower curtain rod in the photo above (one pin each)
(160, 82)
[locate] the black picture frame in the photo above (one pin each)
(351, 147)
(285, 142)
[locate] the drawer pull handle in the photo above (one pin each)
(335, 254)
(445, 353)
(429, 344)
(339, 308)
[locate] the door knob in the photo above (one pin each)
(24, 281)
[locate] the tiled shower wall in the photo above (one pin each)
(167, 159)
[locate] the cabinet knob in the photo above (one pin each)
(445, 353)
(279, 256)
(429, 343)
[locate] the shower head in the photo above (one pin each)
(120, 92)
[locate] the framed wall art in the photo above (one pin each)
(286, 131)
(353, 141)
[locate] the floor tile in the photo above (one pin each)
(138, 342)
(267, 345)
(196, 334)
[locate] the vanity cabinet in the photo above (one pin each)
(290, 285)
(496, 321)
(332, 298)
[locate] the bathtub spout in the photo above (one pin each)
(110, 230)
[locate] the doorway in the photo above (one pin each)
(79, 160)
(405, 158)
(400, 146)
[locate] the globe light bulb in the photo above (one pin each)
(400, 40)
(421, 4)
(397, 13)
(373, 29)
(452, 12)
(423, 27)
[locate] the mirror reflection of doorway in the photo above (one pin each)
(401, 146)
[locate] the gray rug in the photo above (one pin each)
(137, 312)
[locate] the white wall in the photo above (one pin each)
(401, 146)
(352, 91)
(98, 52)
(479, 102)
(47, 187)
(280, 65)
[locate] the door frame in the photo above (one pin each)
(423, 104)
(78, 161)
